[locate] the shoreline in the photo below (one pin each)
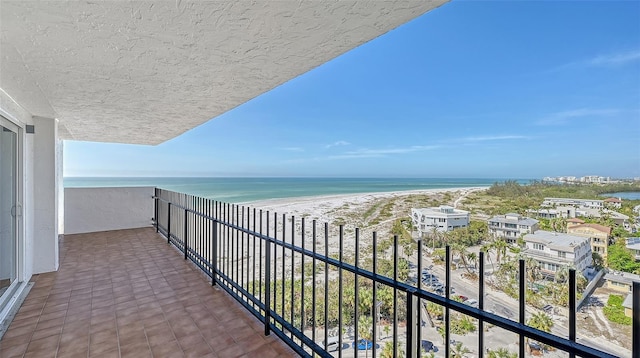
(370, 195)
(327, 208)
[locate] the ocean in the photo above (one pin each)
(242, 190)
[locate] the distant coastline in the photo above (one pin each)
(243, 190)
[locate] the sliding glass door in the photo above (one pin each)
(9, 208)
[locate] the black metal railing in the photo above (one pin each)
(306, 295)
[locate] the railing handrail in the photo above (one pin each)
(222, 279)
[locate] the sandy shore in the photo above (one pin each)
(321, 207)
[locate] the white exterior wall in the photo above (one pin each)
(433, 217)
(104, 209)
(580, 258)
(46, 181)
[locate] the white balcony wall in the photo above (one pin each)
(47, 176)
(103, 209)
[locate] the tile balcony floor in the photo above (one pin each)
(128, 293)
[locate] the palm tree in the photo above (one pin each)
(365, 331)
(387, 330)
(501, 353)
(473, 257)
(387, 351)
(501, 248)
(459, 351)
(541, 321)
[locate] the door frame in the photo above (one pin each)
(15, 291)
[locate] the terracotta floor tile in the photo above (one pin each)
(167, 349)
(13, 350)
(128, 293)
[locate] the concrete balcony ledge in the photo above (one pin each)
(128, 293)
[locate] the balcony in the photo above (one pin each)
(128, 294)
(226, 280)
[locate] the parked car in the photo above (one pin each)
(427, 345)
(333, 344)
(461, 298)
(471, 302)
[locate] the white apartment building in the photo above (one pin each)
(584, 203)
(510, 226)
(554, 250)
(442, 218)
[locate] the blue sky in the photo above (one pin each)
(471, 89)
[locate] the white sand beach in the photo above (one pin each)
(323, 208)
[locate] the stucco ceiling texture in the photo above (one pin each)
(146, 71)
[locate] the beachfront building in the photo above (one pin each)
(441, 218)
(511, 226)
(554, 250)
(598, 234)
(578, 203)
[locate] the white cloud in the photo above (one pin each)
(564, 117)
(615, 59)
(293, 149)
(380, 152)
(493, 138)
(338, 143)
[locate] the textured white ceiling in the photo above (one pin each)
(147, 71)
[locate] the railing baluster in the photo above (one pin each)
(186, 232)
(481, 303)
(635, 312)
(341, 247)
(572, 308)
(447, 286)
(395, 296)
(326, 286)
(522, 301)
(375, 313)
(213, 230)
(356, 298)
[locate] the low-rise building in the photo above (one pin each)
(598, 234)
(554, 250)
(615, 203)
(557, 212)
(628, 305)
(620, 281)
(510, 226)
(442, 218)
(633, 244)
(618, 218)
(585, 203)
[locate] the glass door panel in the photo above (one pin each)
(8, 206)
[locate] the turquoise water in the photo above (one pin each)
(240, 190)
(628, 195)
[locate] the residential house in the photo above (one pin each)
(555, 213)
(554, 250)
(598, 234)
(628, 305)
(633, 244)
(615, 203)
(511, 226)
(584, 203)
(442, 218)
(621, 281)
